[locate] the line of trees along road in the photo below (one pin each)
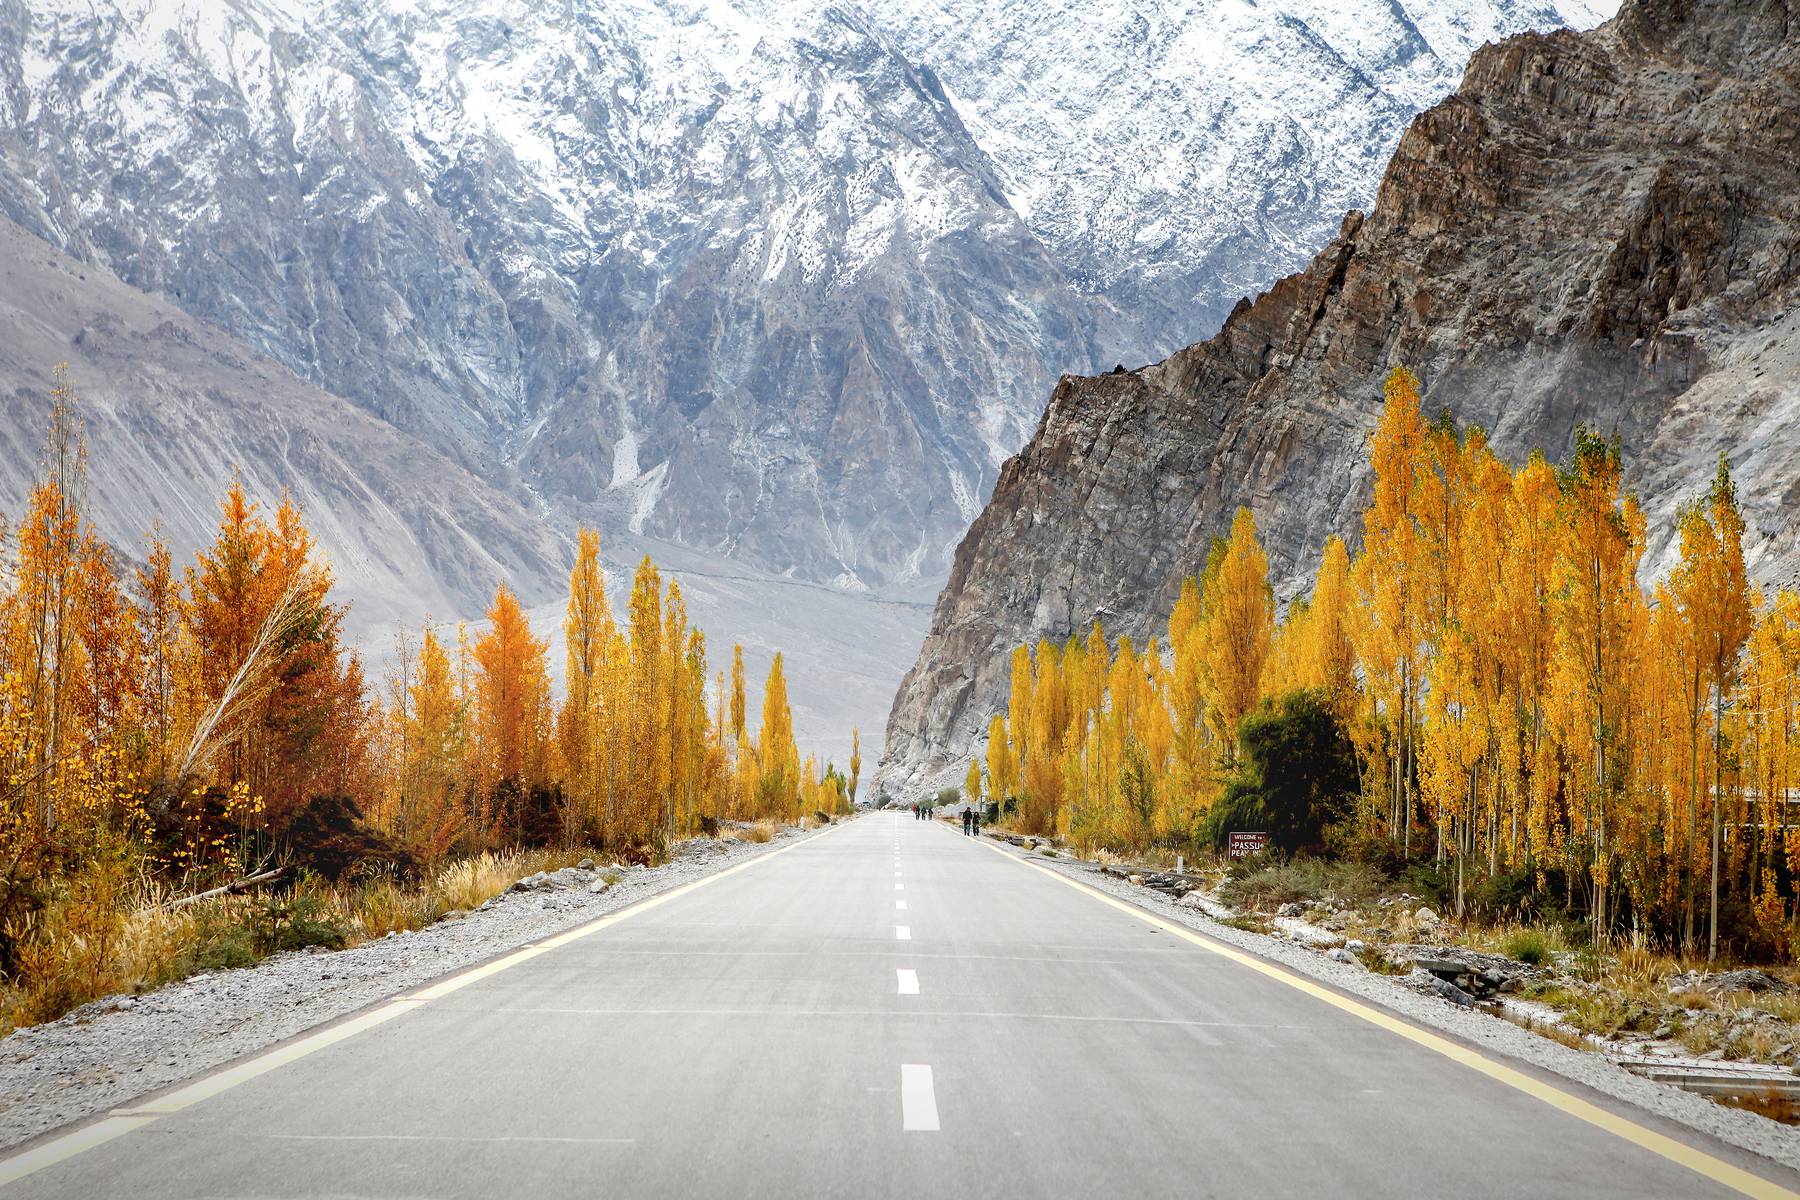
(166, 727)
(1521, 709)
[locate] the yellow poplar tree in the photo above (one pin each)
(778, 757)
(1240, 616)
(588, 633)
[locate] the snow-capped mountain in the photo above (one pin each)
(776, 281)
(1178, 156)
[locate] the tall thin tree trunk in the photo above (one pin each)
(1712, 937)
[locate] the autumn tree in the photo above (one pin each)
(1389, 629)
(433, 814)
(776, 754)
(512, 708)
(1000, 764)
(1239, 608)
(1713, 590)
(588, 635)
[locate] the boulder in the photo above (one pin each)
(1452, 993)
(1748, 979)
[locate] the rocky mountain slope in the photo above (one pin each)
(1599, 227)
(173, 408)
(776, 281)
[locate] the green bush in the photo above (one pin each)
(1433, 883)
(1529, 946)
(299, 920)
(223, 949)
(1297, 777)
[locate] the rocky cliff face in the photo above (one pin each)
(1599, 228)
(778, 281)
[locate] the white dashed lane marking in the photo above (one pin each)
(908, 980)
(918, 1102)
(903, 933)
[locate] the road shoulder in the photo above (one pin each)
(108, 1054)
(1769, 1140)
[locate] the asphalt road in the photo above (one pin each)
(888, 1009)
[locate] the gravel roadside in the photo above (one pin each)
(105, 1054)
(1747, 1131)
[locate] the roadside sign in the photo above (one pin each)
(1246, 845)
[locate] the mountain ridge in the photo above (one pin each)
(778, 282)
(1595, 228)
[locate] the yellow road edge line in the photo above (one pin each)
(1680, 1153)
(68, 1146)
(121, 1121)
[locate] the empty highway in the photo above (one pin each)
(886, 1009)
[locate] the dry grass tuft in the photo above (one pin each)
(758, 832)
(472, 882)
(108, 934)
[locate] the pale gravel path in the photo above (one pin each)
(1759, 1135)
(101, 1057)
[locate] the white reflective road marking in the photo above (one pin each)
(903, 933)
(899, 887)
(918, 1102)
(908, 979)
(899, 906)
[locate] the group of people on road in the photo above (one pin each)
(971, 817)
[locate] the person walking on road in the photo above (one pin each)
(974, 822)
(965, 816)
